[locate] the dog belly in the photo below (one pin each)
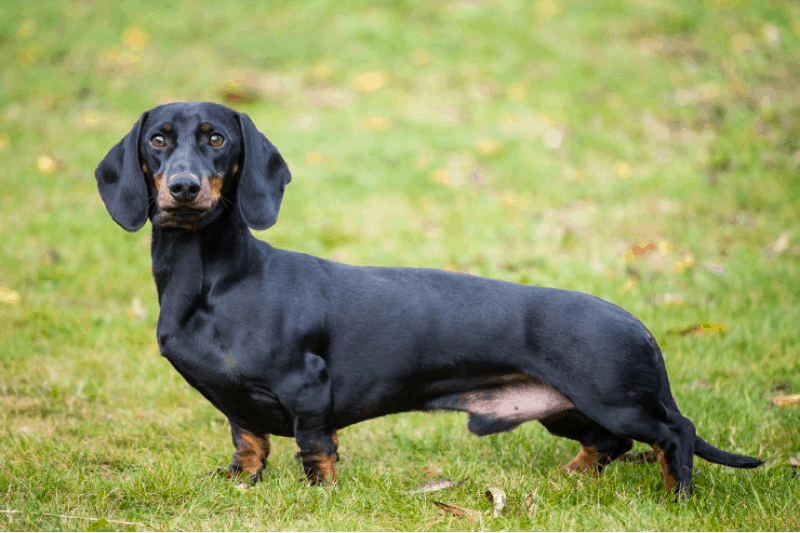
(502, 402)
(518, 402)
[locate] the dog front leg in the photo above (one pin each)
(312, 407)
(250, 456)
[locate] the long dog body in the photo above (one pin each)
(289, 344)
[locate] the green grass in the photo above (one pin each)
(532, 142)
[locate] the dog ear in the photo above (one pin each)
(121, 182)
(263, 177)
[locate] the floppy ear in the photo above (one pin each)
(121, 181)
(263, 177)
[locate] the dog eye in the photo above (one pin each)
(158, 141)
(216, 140)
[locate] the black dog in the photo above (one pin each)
(289, 344)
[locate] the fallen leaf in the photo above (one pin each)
(781, 245)
(45, 163)
(375, 123)
(432, 470)
(669, 298)
(370, 81)
(714, 268)
(329, 98)
(7, 296)
(783, 401)
(710, 327)
(517, 91)
(305, 123)
(241, 87)
(553, 138)
(683, 330)
(434, 486)
(771, 35)
(531, 504)
(136, 37)
(470, 514)
(314, 158)
(639, 249)
(704, 327)
(137, 310)
(487, 145)
(685, 263)
(497, 497)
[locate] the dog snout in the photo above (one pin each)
(184, 187)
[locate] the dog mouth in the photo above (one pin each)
(181, 218)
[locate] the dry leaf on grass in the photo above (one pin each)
(432, 470)
(783, 401)
(705, 327)
(7, 296)
(434, 486)
(531, 504)
(470, 514)
(779, 246)
(497, 497)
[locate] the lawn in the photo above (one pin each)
(647, 152)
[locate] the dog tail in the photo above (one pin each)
(715, 455)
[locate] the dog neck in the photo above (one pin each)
(184, 261)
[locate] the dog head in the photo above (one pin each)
(184, 162)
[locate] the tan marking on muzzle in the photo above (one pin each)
(158, 179)
(215, 182)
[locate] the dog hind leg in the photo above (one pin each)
(599, 446)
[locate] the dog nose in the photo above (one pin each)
(184, 188)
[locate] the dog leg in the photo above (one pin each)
(599, 446)
(250, 456)
(676, 455)
(319, 464)
(312, 408)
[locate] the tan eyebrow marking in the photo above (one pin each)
(166, 127)
(205, 127)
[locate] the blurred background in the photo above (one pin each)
(644, 151)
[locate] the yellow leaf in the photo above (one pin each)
(487, 146)
(622, 169)
(375, 123)
(549, 8)
(685, 263)
(371, 81)
(314, 158)
(7, 296)
(517, 91)
(136, 37)
(709, 326)
(45, 163)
